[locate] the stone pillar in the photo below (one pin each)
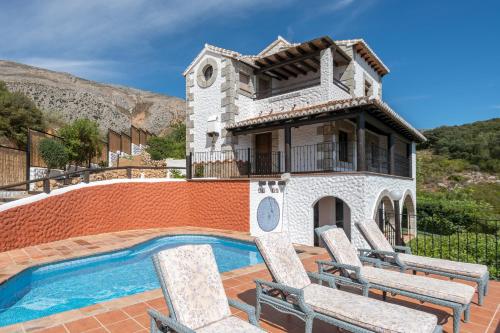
(361, 142)
(288, 149)
(413, 160)
(391, 145)
(228, 102)
(326, 72)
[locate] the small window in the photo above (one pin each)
(245, 82)
(208, 72)
(264, 88)
(368, 88)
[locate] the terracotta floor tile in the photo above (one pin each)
(55, 329)
(144, 320)
(82, 325)
(111, 317)
(129, 326)
(136, 309)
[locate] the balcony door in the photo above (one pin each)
(263, 153)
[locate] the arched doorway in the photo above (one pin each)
(408, 218)
(385, 216)
(331, 211)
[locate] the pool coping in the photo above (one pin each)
(144, 235)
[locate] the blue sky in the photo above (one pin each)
(444, 55)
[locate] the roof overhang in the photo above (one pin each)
(299, 59)
(329, 111)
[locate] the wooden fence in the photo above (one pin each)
(126, 144)
(12, 165)
(15, 163)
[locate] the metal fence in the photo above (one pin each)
(12, 165)
(476, 242)
(235, 163)
(323, 157)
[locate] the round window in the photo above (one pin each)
(208, 71)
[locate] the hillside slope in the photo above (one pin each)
(461, 162)
(69, 97)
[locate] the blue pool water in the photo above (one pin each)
(48, 289)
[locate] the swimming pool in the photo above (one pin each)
(53, 288)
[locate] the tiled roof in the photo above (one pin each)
(331, 106)
(360, 41)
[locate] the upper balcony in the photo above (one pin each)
(305, 74)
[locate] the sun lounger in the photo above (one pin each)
(195, 296)
(407, 261)
(456, 296)
(292, 292)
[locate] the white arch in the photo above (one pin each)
(410, 203)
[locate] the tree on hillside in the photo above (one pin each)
(17, 113)
(172, 145)
(82, 140)
(53, 153)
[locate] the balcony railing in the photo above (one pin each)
(321, 157)
(261, 94)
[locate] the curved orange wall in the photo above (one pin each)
(127, 206)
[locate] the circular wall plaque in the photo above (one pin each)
(268, 214)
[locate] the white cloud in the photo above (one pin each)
(95, 69)
(92, 26)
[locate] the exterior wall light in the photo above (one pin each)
(396, 196)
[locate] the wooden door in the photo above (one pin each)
(263, 153)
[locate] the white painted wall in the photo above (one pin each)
(359, 191)
(207, 102)
(361, 68)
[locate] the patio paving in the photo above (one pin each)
(129, 314)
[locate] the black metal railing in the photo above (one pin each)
(323, 157)
(315, 158)
(402, 166)
(236, 163)
(341, 85)
(429, 236)
(376, 159)
(83, 175)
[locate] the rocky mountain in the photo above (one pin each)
(70, 97)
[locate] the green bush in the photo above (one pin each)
(176, 174)
(172, 145)
(53, 153)
(448, 211)
(17, 113)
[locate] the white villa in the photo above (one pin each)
(307, 125)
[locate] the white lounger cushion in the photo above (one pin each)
(449, 266)
(366, 312)
(282, 260)
(378, 241)
(230, 325)
(446, 290)
(343, 251)
(374, 236)
(194, 285)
